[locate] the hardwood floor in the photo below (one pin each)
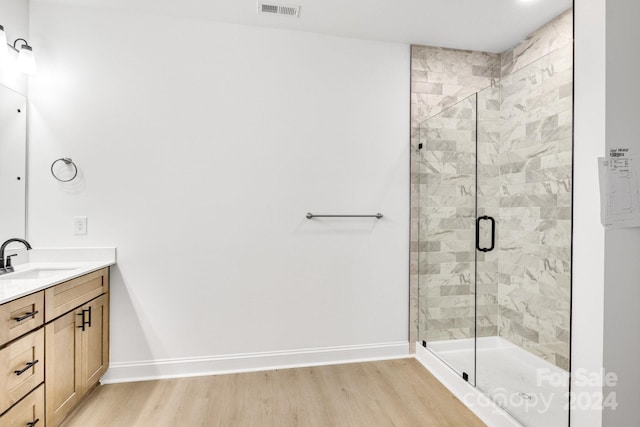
(384, 393)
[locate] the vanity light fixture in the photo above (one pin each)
(26, 60)
(26, 63)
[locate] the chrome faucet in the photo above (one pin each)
(8, 268)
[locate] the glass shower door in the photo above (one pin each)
(495, 240)
(447, 169)
(524, 284)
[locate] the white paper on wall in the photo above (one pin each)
(619, 190)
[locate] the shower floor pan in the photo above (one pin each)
(531, 389)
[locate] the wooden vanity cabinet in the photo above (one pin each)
(47, 370)
(77, 351)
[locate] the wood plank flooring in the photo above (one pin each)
(382, 393)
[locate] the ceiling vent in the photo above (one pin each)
(278, 9)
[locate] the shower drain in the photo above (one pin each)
(525, 396)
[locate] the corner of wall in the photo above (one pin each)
(588, 235)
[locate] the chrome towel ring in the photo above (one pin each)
(68, 162)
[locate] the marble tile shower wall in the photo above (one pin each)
(489, 126)
(447, 223)
(440, 78)
(552, 36)
(451, 273)
(534, 251)
(524, 155)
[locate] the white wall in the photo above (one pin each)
(201, 147)
(14, 16)
(605, 312)
(588, 234)
(622, 266)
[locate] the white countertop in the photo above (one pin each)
(72, 263)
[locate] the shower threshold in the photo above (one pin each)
(531, 389)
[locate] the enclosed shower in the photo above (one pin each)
(494, 238)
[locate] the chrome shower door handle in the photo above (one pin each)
(493, 233)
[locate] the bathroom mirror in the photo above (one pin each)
(13, 149)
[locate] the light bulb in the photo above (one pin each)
(4, 48)
(26, 60)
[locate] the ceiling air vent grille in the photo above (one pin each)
(276, 9)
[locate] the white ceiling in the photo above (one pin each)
(484, 25)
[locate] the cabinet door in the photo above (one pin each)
(95, 341)
(21, 368)
(63, 381)
(28, 412)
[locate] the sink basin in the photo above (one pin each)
(36, 273)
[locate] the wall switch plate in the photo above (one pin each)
(79, 225)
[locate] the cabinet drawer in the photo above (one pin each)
(21, 316)
(21, 368)
(66, 296)
(29, 412)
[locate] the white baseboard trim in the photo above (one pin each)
(214, 365)
(480, 404)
